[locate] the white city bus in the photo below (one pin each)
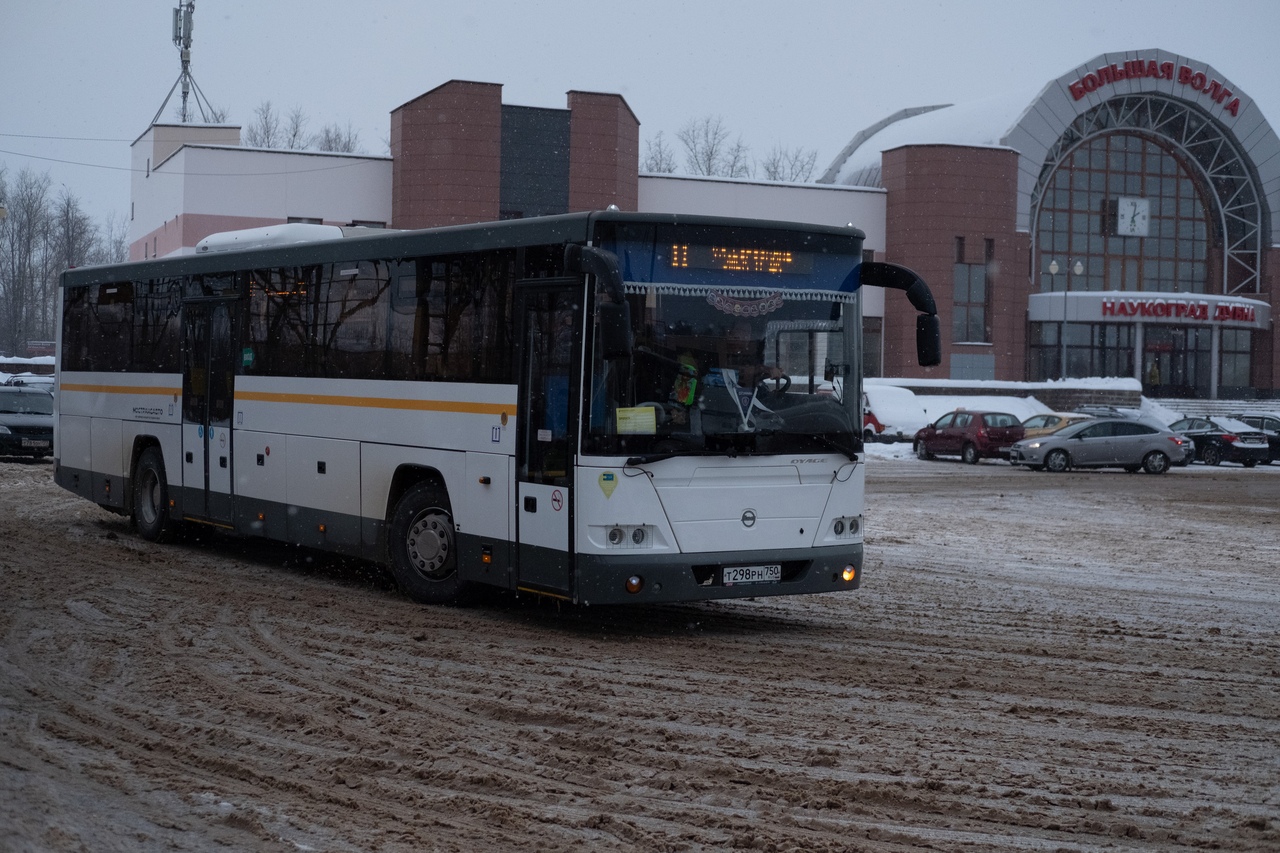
(600, 407)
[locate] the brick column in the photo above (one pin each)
(446, 149)
(604, 152)
(935, 194)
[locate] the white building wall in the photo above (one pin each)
(337, 188)
(197, 189)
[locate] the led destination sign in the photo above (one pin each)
(740, 259)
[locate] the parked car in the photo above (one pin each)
(1220, 439)
(1104, 443)
(1269, 423)
(26, 421)
(1051, 422)
(33, 380)
(970, 435)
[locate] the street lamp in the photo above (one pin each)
(1078, 269)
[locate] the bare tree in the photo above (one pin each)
(264, 130)
(72, 237)
(332, 137)
(658, 157)
(703, 140)
(112, 245)
(40, 237)
(295, 130)
(708, 151)
(737, 161)
(794, 164)
(25, 245)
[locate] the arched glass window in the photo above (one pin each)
(1080, 220)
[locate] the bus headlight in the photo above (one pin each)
(847, 527)
(629, 536)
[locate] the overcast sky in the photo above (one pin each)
(83, 78)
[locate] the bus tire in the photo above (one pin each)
(151, 496)
(423, 547)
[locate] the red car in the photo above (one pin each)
(969, 435)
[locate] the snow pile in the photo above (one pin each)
(902, 411)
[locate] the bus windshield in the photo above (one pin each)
(738, 349)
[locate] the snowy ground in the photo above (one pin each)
(1035, 662)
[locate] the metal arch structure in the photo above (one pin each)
(1199, 142)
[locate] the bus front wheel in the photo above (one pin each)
(151, 496)
(423, 547)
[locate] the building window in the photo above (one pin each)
(306, 220)
(969, 310)
(1237, 344)
(1077, 220)
(1091, 349)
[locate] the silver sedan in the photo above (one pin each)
(1104, 443)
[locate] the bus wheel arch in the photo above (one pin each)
(422, 546)
(149, 493)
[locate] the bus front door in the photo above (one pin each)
(208, 383)
(550, 320)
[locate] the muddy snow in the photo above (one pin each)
(1035, 662)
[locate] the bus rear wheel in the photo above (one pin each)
(423, 547)
(151, 496)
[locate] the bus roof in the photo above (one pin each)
(356, 243)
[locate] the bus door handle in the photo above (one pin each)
(530, 503)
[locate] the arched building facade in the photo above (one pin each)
(1121, 221)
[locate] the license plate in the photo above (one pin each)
(31, 442)
(752, 574)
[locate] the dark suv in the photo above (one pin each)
(26, 421)
(969, 435)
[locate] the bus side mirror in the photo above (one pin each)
(615, 329)
(616, 336)
(897, 277)
(928, 340)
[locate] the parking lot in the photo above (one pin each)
(1036, 661)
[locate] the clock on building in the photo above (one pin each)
(1133, 217)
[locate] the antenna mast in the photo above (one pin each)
(182, 39)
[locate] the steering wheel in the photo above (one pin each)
(782, 384)
(660, 415)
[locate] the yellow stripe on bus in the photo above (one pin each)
(379, 403)
(121, 389)
(455, 406)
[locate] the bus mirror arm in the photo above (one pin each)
(615, 315)
(928, 330)
(601, 263)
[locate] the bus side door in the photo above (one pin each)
(550, 317)
(208, 385)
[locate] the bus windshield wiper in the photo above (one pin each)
(646, 458)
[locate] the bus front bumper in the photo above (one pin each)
(634, 579)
